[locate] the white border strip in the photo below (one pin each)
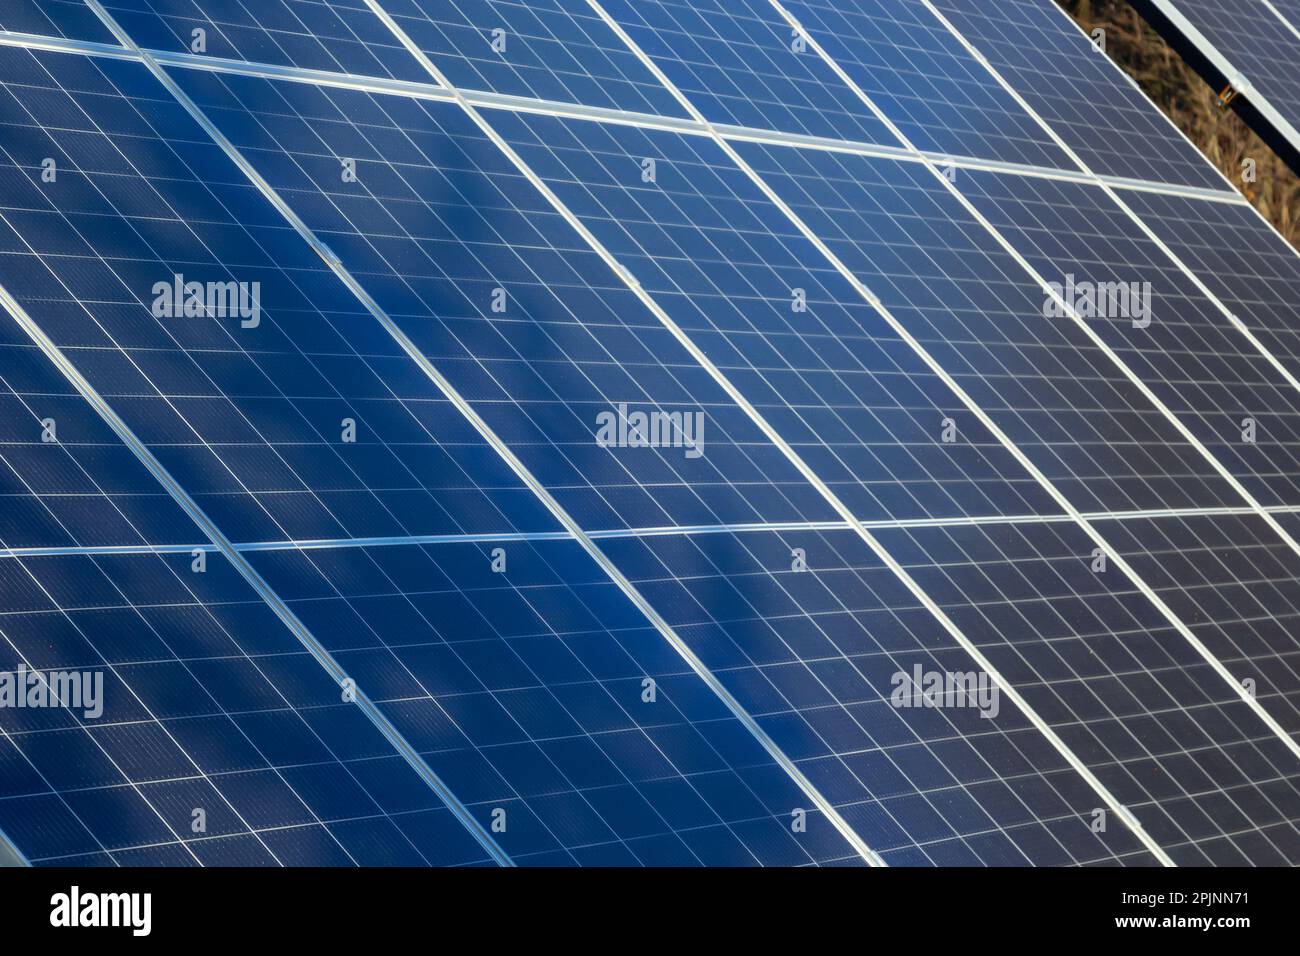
(660, 531)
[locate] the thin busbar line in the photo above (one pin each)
(1068, 309)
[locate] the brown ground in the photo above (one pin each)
(1190, 103)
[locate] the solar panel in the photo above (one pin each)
(57, 18)
(341, 36)
(921, 76)
(586, 433)
(1209, 376)
(558, 50)
(1099, 112)
(1211, 783)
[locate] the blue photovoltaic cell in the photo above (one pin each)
(815, 655)
(208, 703)
(735, 61)
(553, 50)
(1058, 397)
(1205, 371)
(1243, 261)
(1171, 739)
(436, 222)
(925, 81)
(341, 36)
(58, 18)
(526, 691)
(251, 421)
(727, 266)
(1104, 118)
(1257, 42)
(81, 487)
(1237, 585)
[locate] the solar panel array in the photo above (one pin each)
(586, 432)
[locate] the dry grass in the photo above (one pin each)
(1191, 104)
